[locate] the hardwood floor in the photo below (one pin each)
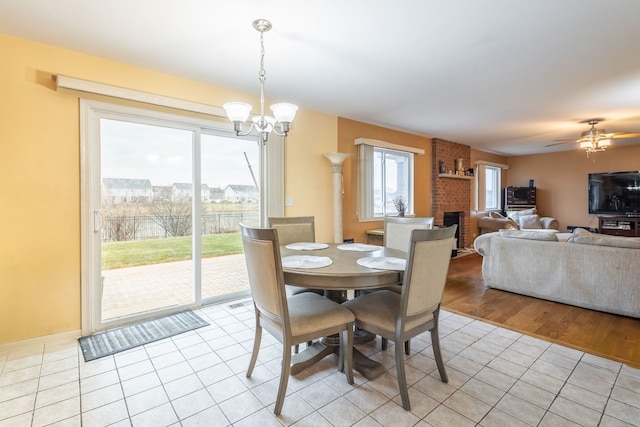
(602, 334)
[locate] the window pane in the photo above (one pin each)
(383, 176)
(492, 189)
(397, 181)
(146, 205)
(230, 172)
(378, 183)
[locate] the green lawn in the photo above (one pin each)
(155, 251)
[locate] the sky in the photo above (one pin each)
(164, 155)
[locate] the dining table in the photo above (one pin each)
(336, 269)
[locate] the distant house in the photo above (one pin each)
(124, 190)
(161, 193)
(181, 192)
(241, 194)
(216, 194)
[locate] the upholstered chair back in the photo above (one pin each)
(264, 268)
(397, 230)
(426, 271)
(294, 229)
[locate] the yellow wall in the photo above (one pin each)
(561, 180)
(348, 132)
(40, 175)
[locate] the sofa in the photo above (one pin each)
(589, 270)
(491, 221)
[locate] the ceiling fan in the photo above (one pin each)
(594, 139)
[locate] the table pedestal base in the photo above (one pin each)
(310, 355)
(369, 368)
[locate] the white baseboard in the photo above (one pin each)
(47, 339)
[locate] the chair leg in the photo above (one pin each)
(402, 377)
(346, 353)
(284, 376)
(407, 347)
(435, 343)
(385, 342)
(296, 348)
(256, 346)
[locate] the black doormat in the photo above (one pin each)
(120, 339)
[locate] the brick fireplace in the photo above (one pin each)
(450, 193)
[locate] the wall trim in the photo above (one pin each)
(488, 163)
(389, 145)
(73, 83)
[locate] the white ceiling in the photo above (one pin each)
(505, 76)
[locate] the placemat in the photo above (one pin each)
(359, 247)
(383, 263)
(306, 261)
(306, 246)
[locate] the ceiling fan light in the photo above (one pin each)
(604, 143)
(586, 145)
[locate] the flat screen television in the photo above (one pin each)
(614, 193)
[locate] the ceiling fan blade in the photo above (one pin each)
(625, 135)
(562, 141)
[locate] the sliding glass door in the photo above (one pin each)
(147, 213)
(163, 197)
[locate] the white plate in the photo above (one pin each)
(383, 263)
(306, 246)
(305, 261)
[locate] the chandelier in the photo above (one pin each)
(283, 113)
(594, 140)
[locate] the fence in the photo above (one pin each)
(140, 227)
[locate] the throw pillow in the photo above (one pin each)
(584, 237)
(495, 214)
(530, 221)
(549, 236)
(515, 215)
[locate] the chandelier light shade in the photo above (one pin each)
(283, 113)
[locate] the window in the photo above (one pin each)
(489, 186)
(492, 188)
(385, 176)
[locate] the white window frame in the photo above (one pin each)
(489, 171)
(271, 187)
(366, 202)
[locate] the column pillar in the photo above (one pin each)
(336, 160)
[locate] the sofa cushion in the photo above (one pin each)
(495, 214)
(516, 215)
(530, 221)
(545, 235)
(584, 237)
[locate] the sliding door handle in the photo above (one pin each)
(98, 221)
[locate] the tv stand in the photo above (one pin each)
(628, 226)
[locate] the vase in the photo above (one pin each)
(459, 167)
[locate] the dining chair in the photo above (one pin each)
(397, 234)
(294, 229)
(400, 317)
(397, 230)
(291, 320)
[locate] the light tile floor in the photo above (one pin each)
(496, 378)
